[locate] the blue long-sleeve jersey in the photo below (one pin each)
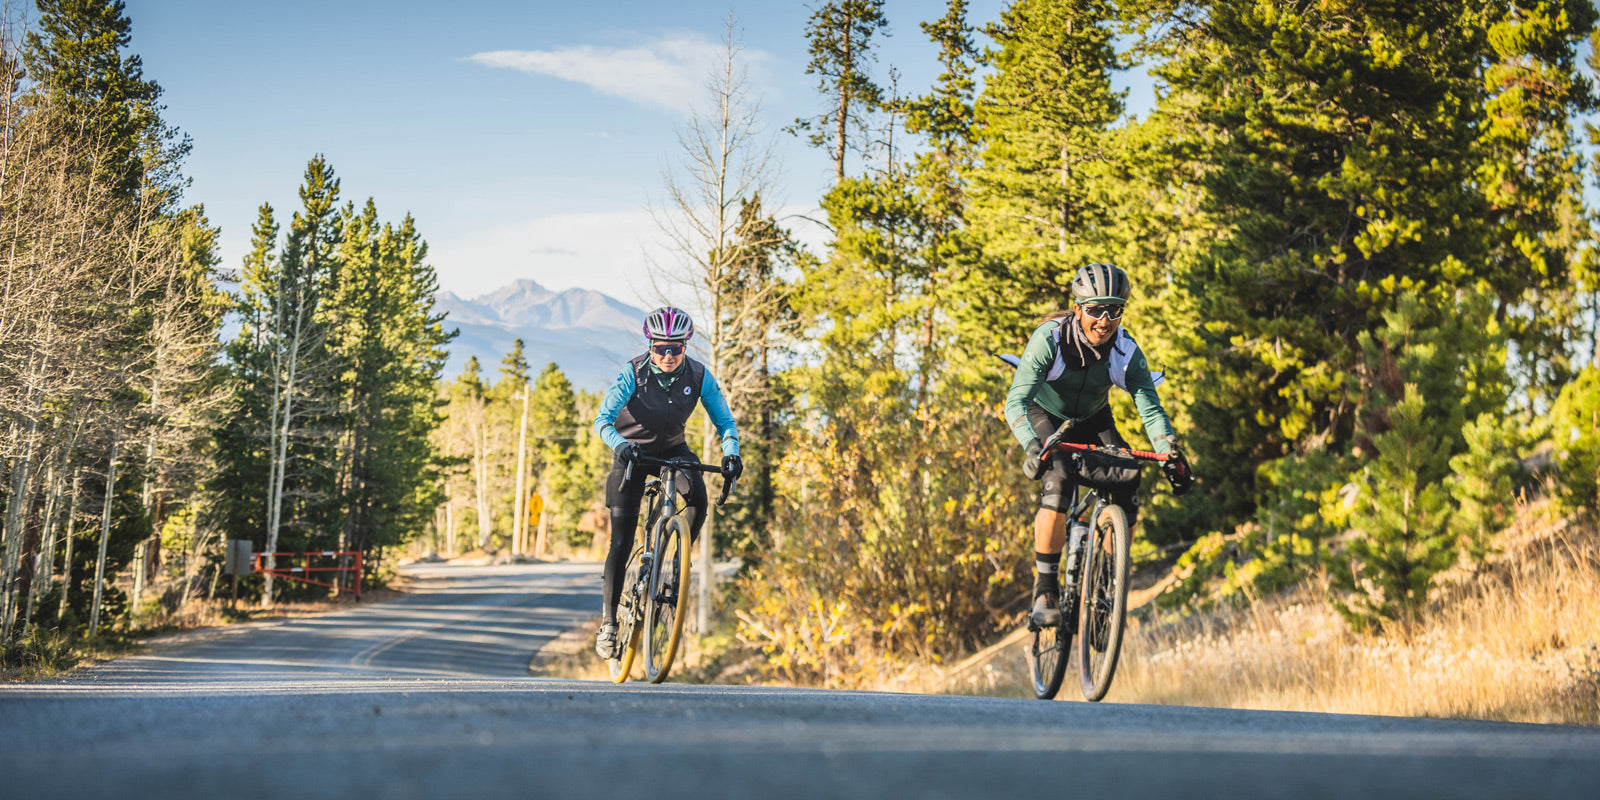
(711, 397)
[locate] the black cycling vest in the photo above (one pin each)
(654, 418)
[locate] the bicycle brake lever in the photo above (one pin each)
(1055, 438)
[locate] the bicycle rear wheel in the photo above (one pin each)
(668, 600)
(1105, 600)
(629, 614)
(1048, 651)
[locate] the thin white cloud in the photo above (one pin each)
(668, 72)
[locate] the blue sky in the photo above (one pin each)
(527, 138)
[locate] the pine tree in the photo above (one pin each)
(553, 418)
(470, 399)
(1317, 162)
(1042, 122)
(1430, 368)
(390, 346)
(1404, 521)
(92, 89)
(951, 333)
(242, 440)
(1529, 170)
(840, 33)
(1482, 482)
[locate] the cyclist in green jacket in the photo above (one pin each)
(1067, 371)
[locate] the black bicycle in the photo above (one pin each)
(655, 596)
(1094, 576)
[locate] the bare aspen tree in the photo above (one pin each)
(66, 558)
(101, 335)
(105, 539)
(724, 160)
(478, 420)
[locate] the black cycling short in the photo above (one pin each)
(1101, 429)
(626, 494)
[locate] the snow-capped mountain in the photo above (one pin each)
(586, 333)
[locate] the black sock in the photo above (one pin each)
(1046, 565)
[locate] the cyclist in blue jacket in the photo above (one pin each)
(645, 412)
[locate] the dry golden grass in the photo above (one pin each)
(1520, 641)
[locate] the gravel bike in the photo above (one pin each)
(655, 596)
(1094, 576)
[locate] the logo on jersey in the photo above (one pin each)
(685, 390)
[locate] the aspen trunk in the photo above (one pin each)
(44, 562)
(449, 522)
(480, 474)
(66, 559)
(275, 516)
(105, 537)
(21, 499)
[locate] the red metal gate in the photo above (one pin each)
(305, 572)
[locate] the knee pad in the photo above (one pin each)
(1056, 494)
(1057, 486)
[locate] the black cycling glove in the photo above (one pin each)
(1031, 465)
(627, 452)
(1176, 469)
(733, 467)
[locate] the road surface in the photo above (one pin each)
(429, 696)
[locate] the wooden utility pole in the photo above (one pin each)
(519, 529)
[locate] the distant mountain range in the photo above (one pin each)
(586, 333)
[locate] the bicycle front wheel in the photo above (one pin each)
(1047, 654)
(629, 614)
(1105, 600)
(669, 598)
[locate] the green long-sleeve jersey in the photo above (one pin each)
(1077, 394)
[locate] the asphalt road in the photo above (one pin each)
(429, 696)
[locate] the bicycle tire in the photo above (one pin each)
(629, 616)
(1104, 600)
(669, 598)
(1048, 651)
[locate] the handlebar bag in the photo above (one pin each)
(1108, 471)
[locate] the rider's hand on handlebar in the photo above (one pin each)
(1031, 465)
(1176, 469)
(732, 467)
(627, 452)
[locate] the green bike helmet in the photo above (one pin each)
(1100, 284)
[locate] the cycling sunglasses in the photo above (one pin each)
(1107, 311)
(670, 349)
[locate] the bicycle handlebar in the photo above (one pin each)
(684, 464)
(1142, 455)
(1054, 443)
